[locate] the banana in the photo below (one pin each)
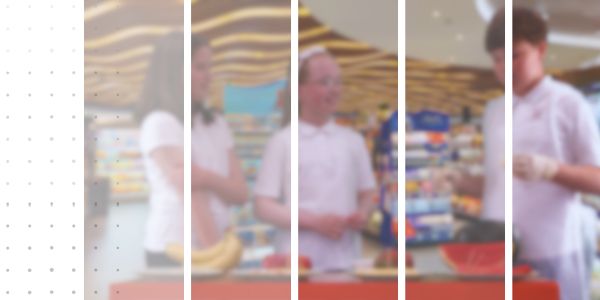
(229, 258)
(208, 254)
(222, 256)
(175, 252)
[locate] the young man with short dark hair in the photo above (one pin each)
(556, 148)
(490, 186)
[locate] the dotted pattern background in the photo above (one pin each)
(41, 149)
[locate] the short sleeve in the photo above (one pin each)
(270, 178)
(160, 129)
(587, 138)
(366, 178)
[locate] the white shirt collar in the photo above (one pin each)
(535, 93)
(307, 129)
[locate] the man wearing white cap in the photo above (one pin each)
(336, 181)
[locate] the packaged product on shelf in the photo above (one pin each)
(428, 209)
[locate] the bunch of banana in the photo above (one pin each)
(222, 256)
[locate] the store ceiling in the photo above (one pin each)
(574, 31)
(448, 88)
(441, 32)
(447, 67)
(119, 39)
(370, 75)
(250, 42)
(453, 31)
(374, 22)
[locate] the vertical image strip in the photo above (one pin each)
(240, 150)
(401, 163)
(509, 234)
(134, 210)
(187, 149)
(294, 110)
(348, 149)
(555, 148)
(454, 150)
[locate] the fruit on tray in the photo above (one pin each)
(304, 263)
(411, 232)
(515, 245)
(475, 258)
(522, 270)
(387, 258)
(409, 261)
(282, 261)
(222, 256)
(275, 261)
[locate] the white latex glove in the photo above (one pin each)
(445, 180)
(534, 167)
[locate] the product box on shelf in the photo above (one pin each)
(429, 215)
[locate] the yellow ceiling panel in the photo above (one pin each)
(267, 12)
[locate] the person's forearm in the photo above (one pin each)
(231, 190)
(585, 179)
(306, 219)
(203, 220)
(273, 212)
(470, 185)
(366, 203)
(174, 176)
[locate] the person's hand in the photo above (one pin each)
(534, 167)
(357, 220)
(330, 225)
(445, 180)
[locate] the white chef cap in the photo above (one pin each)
(306, 54)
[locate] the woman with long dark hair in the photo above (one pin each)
(216, 173)
(161, 142)
(217, 177)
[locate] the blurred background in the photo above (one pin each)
(449, 78)
(362, 37)
(250, 41)
(119, 42)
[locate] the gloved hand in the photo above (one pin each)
(445, 180)
(534, 167)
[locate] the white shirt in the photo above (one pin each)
(334, 166)
(211, 145)
(274, 179)
(493, 132)
(210, 150)
(165, 215)
(552, 120)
